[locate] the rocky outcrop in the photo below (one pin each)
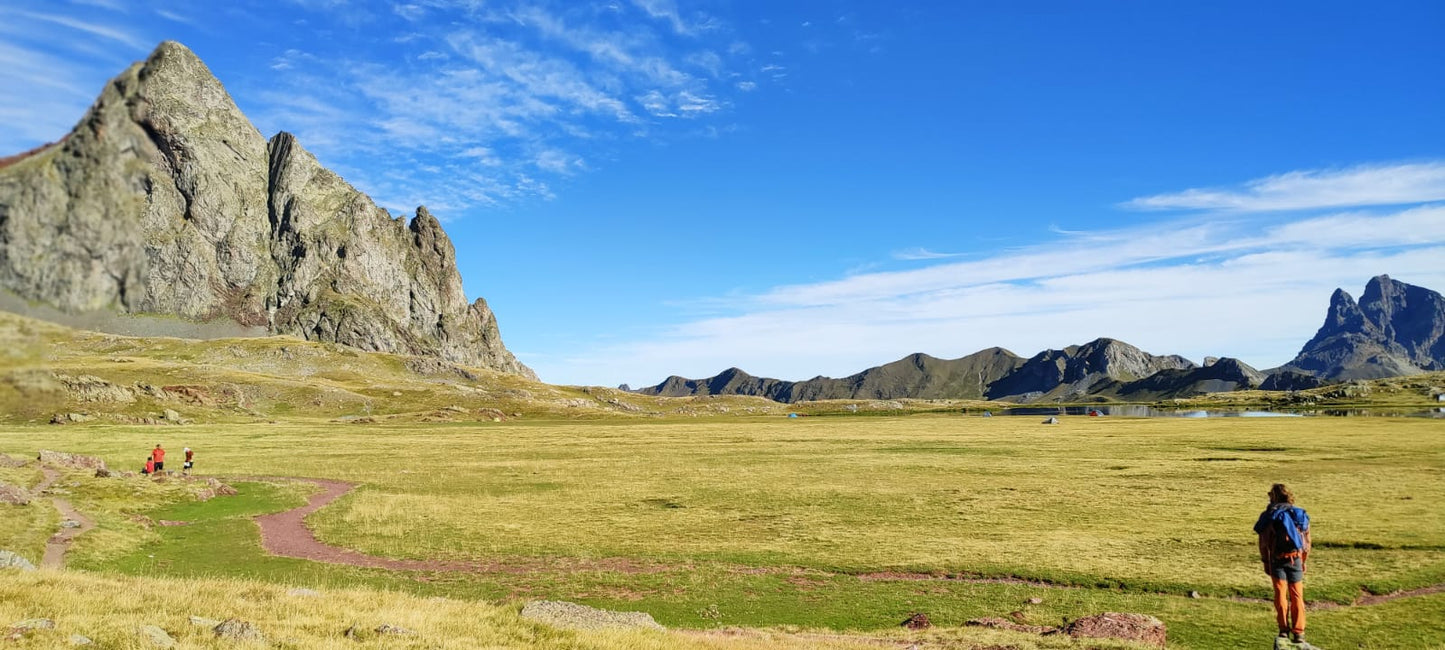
(1395, 329)
(165, 199)
(1290, 380)
(1221, 376)
(1077, 371)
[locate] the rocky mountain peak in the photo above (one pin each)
(1395, 329)
(166, 200)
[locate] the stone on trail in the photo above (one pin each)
(1281, 643)
(238, 630)
(70, 523)
(14, 495)
(1113, 625)
(560, 613)
(12, 560)
(157, 636)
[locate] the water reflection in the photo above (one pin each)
(1144, 411)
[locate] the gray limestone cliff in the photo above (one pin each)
(1395, 329)
(165, 199)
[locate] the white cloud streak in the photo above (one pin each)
(1363, 185)
(1214, 288)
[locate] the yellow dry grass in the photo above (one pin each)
(111, 611)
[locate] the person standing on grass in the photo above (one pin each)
(159, 456)
(186, 466)
(1284, 546)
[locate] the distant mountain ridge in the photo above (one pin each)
(1396, 329)
(993, 373)
(166, 200)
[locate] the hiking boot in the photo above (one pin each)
(1297, 637)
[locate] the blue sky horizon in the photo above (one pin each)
(642, 188)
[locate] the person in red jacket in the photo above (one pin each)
(150, 467)
(159, 456)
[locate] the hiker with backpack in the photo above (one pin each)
(1284, 546)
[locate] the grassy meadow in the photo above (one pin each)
(829, 522)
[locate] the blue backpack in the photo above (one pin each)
(1288, 520)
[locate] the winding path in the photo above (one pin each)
(59, 543)
(285, 534)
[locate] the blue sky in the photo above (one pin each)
(648, 187)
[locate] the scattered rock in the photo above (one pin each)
(239, 630)
(87, 388)
(1051, 421)
(8, 461)
(396, 393)
(171, 415)
(558, 613)
(201, 621)
(69, 418)
(71, 461)
(1035, 601)
(157, 636)
(12, 560)
(916, 621)
(1194, 594)
(311, 593)
(14, 495)
(1113, 625)
(168, 522)
(34, 624)
(103, 473)
(350, 632)
(394, 630)
(70, 523)
(80, 639)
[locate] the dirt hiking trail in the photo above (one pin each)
(285, 534)
(59, 543)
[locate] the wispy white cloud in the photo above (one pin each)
(1364, 185)
(666, 10)
(922, 254)
(503, 97)
(108, 32)
(1224, 288)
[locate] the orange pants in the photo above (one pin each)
(1289, 606)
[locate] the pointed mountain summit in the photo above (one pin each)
(1396, 329)
(166, 200)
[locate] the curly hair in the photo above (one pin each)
(1278, 493)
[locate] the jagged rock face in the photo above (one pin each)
(1080, 370)
(1290, 380)
(1396, 329)
(165, 199)
(1222, 376)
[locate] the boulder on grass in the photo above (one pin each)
(1141, 628)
